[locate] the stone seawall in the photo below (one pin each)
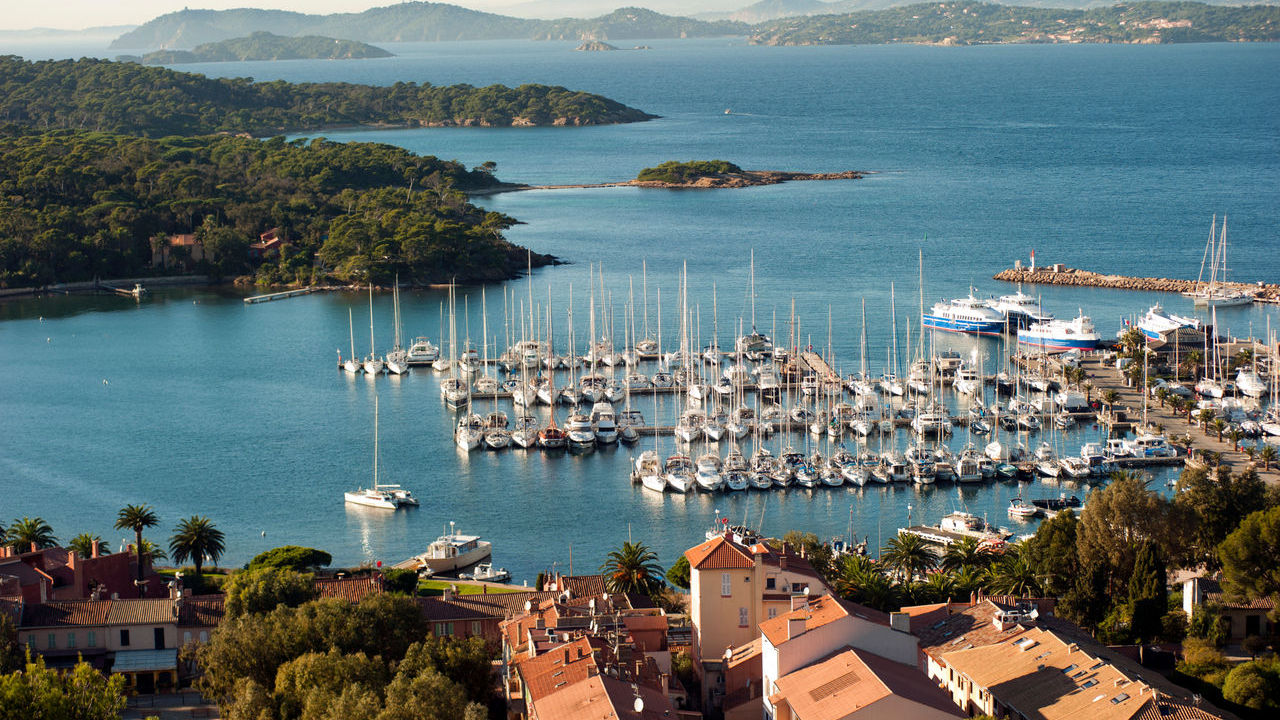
(1264, 292)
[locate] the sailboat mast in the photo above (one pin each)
(375, 442)
(371, 346)
(351, 330)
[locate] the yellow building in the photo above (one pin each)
(733, 588)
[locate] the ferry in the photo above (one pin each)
(452, 552)
(1061, 335)
(1157, 323)
(964, 315)
(1019, 309)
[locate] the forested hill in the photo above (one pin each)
(964, 23)
(410, 22)
(79, 205)
(130, 98)
(265, 46)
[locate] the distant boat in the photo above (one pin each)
(1019, 309)
(1216, 293)
(964, 315)
(1157, 323)
(452, 551)
(384, 497)
(1061, 335)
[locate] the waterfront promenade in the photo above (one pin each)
(1104, 378)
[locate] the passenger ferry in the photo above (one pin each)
(1019, 309)
(965, 315)
(1157, 323)
(1061, 335)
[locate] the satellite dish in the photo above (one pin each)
(638, 704)
(806, 591)
(528, 605)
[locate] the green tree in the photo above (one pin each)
(940, 586)
(1254, 684)
(467, 662)
(1267, 455)
(82, 694)
(1148, 595)
(1250, 556)
(1110, 398)
(196, 538)
(263, 589)
(1210, 505)
(861, 580)
(633, 568)
(136, 518)
(1194, 360)
(678, 575)
(402, 581)
(1087, 602)
(966, 553)
(907, 556)
(1219, 426)
(1208, 623)
(318, 678)
(28, 533)
(1052, 552)
(1012, 574)
(294, 557)
(12, 655)
(82, 544)
(1115, 520)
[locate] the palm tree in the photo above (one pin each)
(82, 544)
(1267, 455)
(1162, 394)
(1219, 426)
(938, 587)
(1235, 434)
(966, 553)
(908, 556)
(1194, 360)
(196, 538)
(1206, 417)
(1250, 451)
(136, 518)
(1109, 399)
(1013, 575)
(29, 533)
(153, 551)
(1244, 357)
(1132, 340)
(861, 581)
(633, 568)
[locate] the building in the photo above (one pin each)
(822, 631)
(269, 243)
(1244, 618)
(181, 251)
(464, 616)
(1014, 661)
(852, 683)
(733, 588)
(61, 574)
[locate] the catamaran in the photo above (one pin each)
(381, 496)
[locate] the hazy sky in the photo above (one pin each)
(78, 14)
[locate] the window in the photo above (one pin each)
(1089, 683)
(726, 585)
(773, 613)
(1119, 698)
(53, 641)
(475, 628)
(742, 617)
(204, 636)
(770, 583)
(71, 640)
(444, 628)
(186, 637)
(124, 638)
(92, 639)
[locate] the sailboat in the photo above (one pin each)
(453, 389)
(755, 345)
(384, 497)
(1216, 293)
(351, 365)
(398, 358)
(373, 365)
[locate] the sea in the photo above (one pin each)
(1114, 158)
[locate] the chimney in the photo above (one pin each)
(795, 627)
(782, 558)
(900, 621)
(97, 549)
(799, 601)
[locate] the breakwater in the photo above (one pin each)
(1059, 275)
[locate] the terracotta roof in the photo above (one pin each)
(581, 585)
(201, 610)
(603, 698)
(851, 680)
(66, 613)
(970, 626)
(492, 605)
(1043, 674)
(719, 553)
(1214, 593)
(559, 667)
(820, 611)
(148, 611)
(351, 589)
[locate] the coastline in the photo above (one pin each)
(1058, 275)
(746, 178)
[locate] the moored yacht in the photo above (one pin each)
(453, 551)
(965, 315)
(1061, 335)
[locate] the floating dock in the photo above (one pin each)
(278, 295)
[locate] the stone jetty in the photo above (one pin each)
(1060, 275)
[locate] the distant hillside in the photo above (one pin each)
(410, 22)
(964, 23)
(766, 10)
(265, 46)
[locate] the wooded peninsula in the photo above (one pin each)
(265, 46)
(111, 169)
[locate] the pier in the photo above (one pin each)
(253, 300)
(1062, 275)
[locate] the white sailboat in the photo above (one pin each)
(373, 365)
(351, 365)
(1216, 293)
(397, 359)
(383, 497)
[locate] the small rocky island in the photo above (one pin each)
(266, 46)
(595, 46)
(695, 174)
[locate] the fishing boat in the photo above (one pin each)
(1054, 336)
(379, 495)
(453, 551)
(964, 315)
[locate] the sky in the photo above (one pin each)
(81, 14)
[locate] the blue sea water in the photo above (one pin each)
(1112, 158)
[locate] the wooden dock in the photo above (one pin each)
(255, 299)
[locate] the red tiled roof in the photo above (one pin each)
(719, 553)
(603, 698)
(149, 611)
(851, 680)
(559, 667)
(351, 589)
(1214, 593)
(201, 610)
(66, 613)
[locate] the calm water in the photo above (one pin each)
(1106, 157)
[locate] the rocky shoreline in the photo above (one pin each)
(1263, 292)
(744, 178)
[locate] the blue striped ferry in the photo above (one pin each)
(1061, 335)
(964, 315)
